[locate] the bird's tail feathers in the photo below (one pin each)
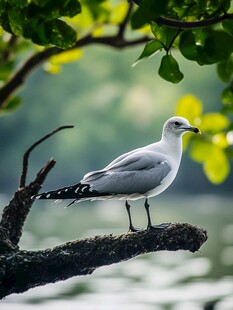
(76, 192)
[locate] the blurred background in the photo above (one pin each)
(115, 108)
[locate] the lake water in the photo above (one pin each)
(158, 281)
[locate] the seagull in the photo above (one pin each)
(142, 173)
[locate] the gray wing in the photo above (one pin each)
(139, 172)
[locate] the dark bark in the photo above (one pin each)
(22, 270)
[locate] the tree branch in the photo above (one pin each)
(173, 23)
(15, 213)
(28, 152)
(37, 59)
(28, 269)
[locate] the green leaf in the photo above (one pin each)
(225, 69)
(169, 69)
(59, 8)
(149, 49)
(228, 26)
(35, 30)
(214, 122)
(148, 10)
(227, 95)
(217, 166)
(187, 45)
(201, 150)
(60, 34)
(189, 107)
(218, 46)
(164, 34)
(214, 159)
(17, 20)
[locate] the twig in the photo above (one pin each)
(28, 152)
(82, 257)
(123, 24)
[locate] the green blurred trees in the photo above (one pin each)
(54, 32)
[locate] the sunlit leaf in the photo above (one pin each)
(189, 107)
(52, 68)
(66, 56)
(118, 12)
(200, 150)
(217, 166)
(164, 34)
(220, 140)
(214, 122)
(169, 69)
(149, 49)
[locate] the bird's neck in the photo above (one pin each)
(173, 144)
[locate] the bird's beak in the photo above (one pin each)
(193, 129)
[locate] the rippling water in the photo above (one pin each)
(162, 280)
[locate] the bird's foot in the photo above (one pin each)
(159, 226)
(134, 229)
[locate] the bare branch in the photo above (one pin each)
(15, 213)
(28, 152)
(82, 257)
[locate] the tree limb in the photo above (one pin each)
(23, 270)
(18, 78)
(15, 213)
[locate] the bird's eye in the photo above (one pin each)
(177, 123)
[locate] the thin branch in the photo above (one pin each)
(82, 257)
(173, 23)
(31, 63)
(28, 152)
(123, 24)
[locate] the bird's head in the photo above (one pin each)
(177, 126)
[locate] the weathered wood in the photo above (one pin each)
(22, 270)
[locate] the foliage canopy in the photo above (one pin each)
(55, 31)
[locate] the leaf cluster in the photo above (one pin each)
(213, 148)
(186, 27)
(41, 21)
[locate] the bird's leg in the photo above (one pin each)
(147, 207)
(131, 227)
(149, 225)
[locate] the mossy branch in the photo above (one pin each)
(22, 270)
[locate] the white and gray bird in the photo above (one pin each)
(142, 173)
